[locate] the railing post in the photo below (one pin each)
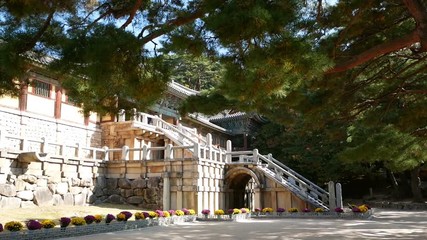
(255, 156)
(144, 118)
(106, 153)
(144, 152)
(229, 150)
(338, 190)
(121, 115)
(125, 153)
(331, 189)
(169, 152)
(134, 116)
(196, 153)
(209, 143)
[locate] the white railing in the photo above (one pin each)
(283, 175)
(76, 150)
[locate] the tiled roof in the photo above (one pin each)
(181, 90)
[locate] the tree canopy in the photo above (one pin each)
(354, 64)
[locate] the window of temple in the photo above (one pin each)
(41, 88)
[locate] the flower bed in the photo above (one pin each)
(353, 212)
(80, 226)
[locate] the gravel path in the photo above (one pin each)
(386, 224)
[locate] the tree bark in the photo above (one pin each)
(415, 185)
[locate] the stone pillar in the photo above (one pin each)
(339, 195)
(229, 150)
(255, 156)
(166, 191)
(331, 189)
(257, 198)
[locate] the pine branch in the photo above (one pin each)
(33, 41)
(174, 23)
(132, 14)
(376, 51)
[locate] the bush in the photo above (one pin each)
(172, 212)
(98, 218)
(109, 218)
(89, 219)
(179, 213)
(121, 217)
(127, 215)
(34, 225)
(14, 226)
(48, 223)
(64, 222)
(1, 227)
(166, 214)
(139, 215)
(78, 221)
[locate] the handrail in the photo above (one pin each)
(319, 189)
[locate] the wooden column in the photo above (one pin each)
(58, 102)
(23, 97)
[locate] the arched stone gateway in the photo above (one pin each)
(240, 184)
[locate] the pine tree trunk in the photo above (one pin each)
(415, 185)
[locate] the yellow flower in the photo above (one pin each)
(166, 214)
(219, 212)
(267, 210)
(318, 210)
(48, 223)
(179, 213)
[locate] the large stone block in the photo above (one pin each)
(74, 182)
(80, 199)
(41, 182)
(57, 200)
(25, 195)
(138, 192)
(35, 172)
(7, 190)
(111, 183)
(20, 184)
(135, 200)
(62, 188)
(101, 182)
(115, 199)
(68, 199)
(75, 190)
(139, 183)
(124, 183)
(28, 178)
(153, 182)
(43, 196)
(126, 192)
(86, 182)
(10, 202)
(28, 204)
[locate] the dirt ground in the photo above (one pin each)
(56, 212)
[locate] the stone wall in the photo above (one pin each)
(28, 182)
